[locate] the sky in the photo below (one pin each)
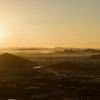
(50, 23)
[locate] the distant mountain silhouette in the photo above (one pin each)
(91, 51)
(77, 51)
(69, 52)
(9, 62)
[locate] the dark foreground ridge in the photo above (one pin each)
(9, 62)
(58, 81)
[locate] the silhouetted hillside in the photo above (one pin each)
(9, 62)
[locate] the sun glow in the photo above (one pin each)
(3, 36)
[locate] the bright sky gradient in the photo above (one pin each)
(50, 23)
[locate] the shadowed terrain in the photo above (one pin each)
(54, 79)
(12, 63)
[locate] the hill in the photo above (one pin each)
(9, 62)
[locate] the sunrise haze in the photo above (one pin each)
(50, 23)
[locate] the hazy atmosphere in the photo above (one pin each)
(49, 49)
(50, 23)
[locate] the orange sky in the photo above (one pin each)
(50, 23)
